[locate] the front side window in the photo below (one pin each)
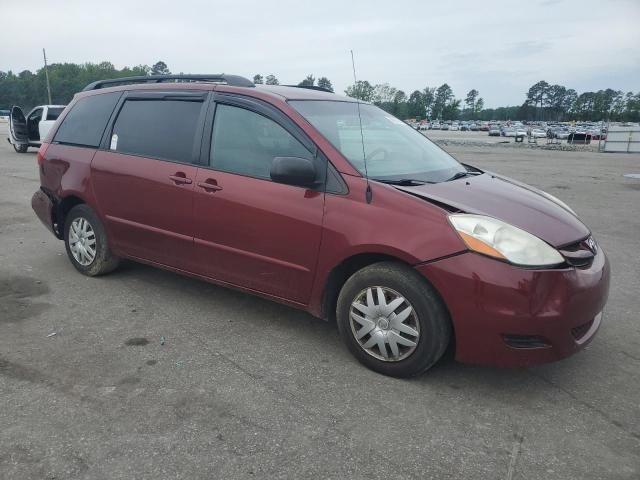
(35, 116)
(246, 142)
(393, 150)
(164, 129)
(85, 123)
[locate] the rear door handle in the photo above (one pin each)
(210, 185)
(180, 178)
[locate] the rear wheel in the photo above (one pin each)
(392, 320)
(86, 242)
(20, 148)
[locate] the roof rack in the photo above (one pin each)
(311, 87)
(234, 80)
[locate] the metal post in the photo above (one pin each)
(46, 73)
(600, 135)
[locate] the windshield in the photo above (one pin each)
(393, 149)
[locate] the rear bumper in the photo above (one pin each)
(43, 206)
(509, 316)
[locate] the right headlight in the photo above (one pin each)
(492, 237)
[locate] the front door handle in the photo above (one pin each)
(179, 178)
(210, 185)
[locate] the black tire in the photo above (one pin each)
(432, 316)
(104, 261)
(21, 148)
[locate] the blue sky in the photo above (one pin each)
(498, 47)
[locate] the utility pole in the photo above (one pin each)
(46, 73)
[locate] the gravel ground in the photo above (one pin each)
(244, 388)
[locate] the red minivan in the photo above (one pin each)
(326, 204)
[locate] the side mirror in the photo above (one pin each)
(293, 171)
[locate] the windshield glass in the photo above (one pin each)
(393, 149)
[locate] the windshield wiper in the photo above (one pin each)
(466, 173)
(405, 182)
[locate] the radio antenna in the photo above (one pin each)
(368, 193)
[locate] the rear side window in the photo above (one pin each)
(245, 142)
(85, 123)
(163, 129)
(54, 112)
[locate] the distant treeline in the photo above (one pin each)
(543, 101)
(28, 89)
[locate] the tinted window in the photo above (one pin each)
(245, 142)
(54, 112)
(86, 121)
(157, 128)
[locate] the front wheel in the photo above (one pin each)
(392, 320)
(86, 242)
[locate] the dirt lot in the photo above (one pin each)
(244, 388)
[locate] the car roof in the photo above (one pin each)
(277, 92)
(300, 93)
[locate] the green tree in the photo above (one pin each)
(257, 79)
(362, 90)
(272, 80)
(383, 94)
(537, 95)
(443, 97)
(399, 104)
(568, 102)
(159, 68)
(470, 102)
(452, 110)
(415, 105)
(28, 89)
(325, 83)
(428, 99)
(310, 81)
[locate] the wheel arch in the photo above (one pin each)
(350, 265)
(63, 207)
(340, 273)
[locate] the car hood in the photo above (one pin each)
(510, 201)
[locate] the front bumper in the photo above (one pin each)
(505, 315)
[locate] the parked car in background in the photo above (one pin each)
(538, 133)
(4, 115)
(264, 188)
(28, 131)
(494, 131)
(444, 126)
(454, 127)
(464, 127)
(484, 127)
(473, 127)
